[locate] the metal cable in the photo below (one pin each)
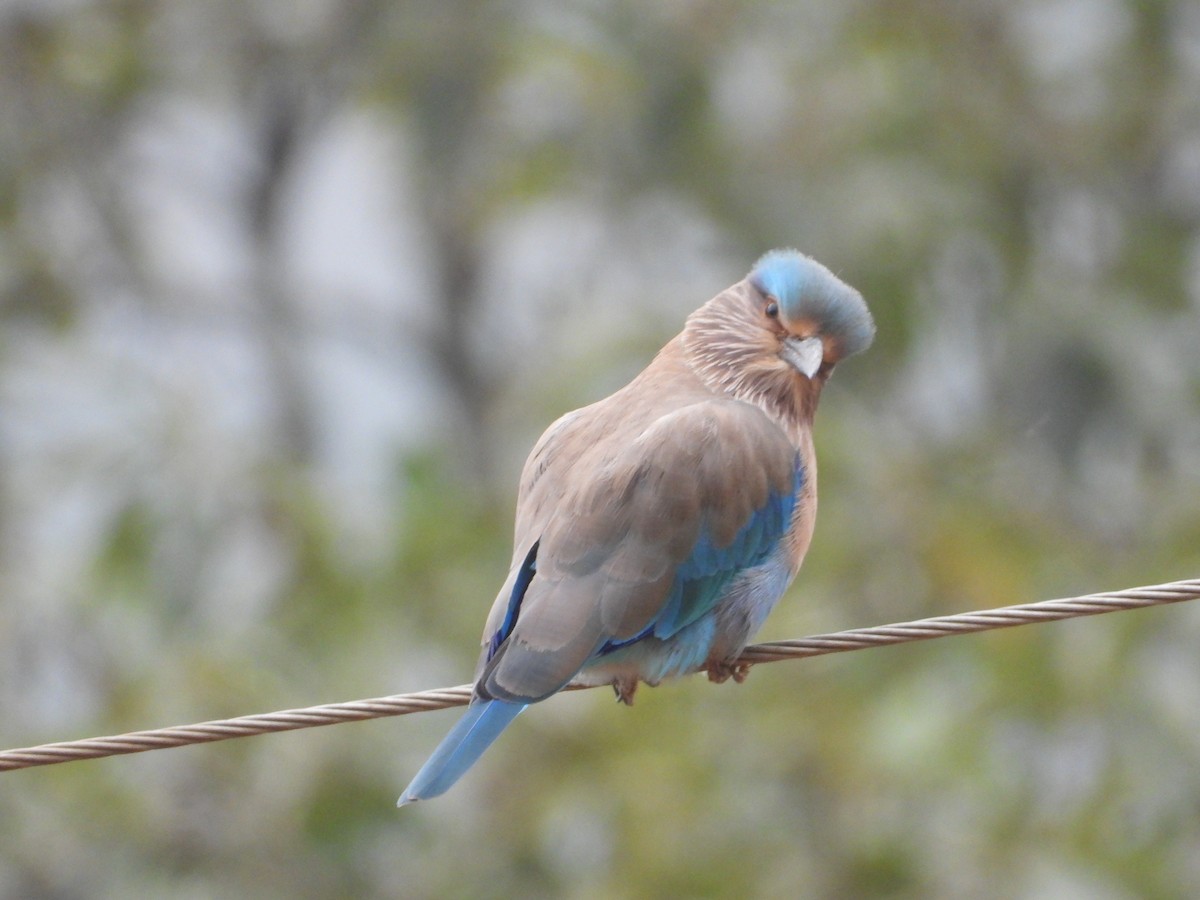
(403, 704)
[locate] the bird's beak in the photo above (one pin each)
(803, 354)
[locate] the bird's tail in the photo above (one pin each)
(459, 750)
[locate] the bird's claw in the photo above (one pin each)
(625, 689)
(720, 672)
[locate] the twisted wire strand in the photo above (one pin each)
(443, 698)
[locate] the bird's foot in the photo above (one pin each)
(625, 688)
(720, 672)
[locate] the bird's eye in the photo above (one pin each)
(772, 309)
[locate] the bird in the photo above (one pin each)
(656, 528)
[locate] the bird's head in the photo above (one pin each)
(816, 317)
(775, 337)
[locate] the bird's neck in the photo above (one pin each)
(730, 353)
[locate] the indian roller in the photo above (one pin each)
(656, 529)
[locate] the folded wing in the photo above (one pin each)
(644, 539)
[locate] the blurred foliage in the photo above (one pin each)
(287, 291)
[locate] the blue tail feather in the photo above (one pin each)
(461, 748)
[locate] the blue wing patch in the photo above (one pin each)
(524, 576)
(702, 578)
